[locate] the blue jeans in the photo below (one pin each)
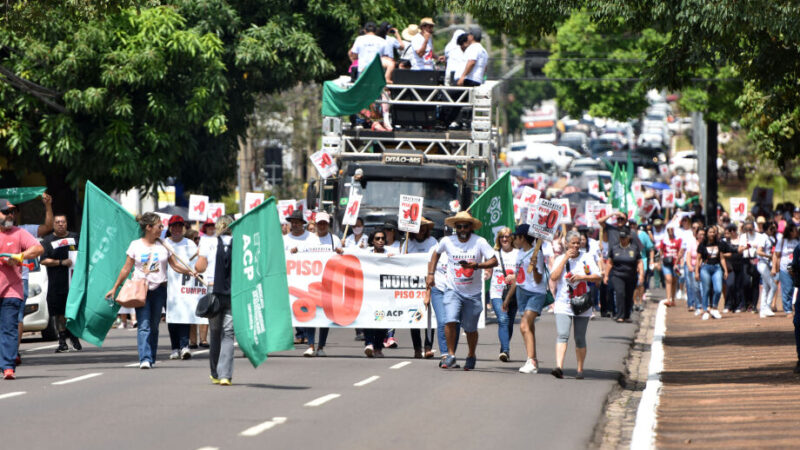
(505, 322)
(692, 288)
(149, 318)
(437, 302)
(178, 335)
(787, 290)
(9, 323)
(24, 299)
(710, 278)
(323, 336)
(768, 285)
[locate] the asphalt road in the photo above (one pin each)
(104, 401)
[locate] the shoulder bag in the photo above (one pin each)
(506, 287)
(208, 306)
(579, 303)
(133, 293)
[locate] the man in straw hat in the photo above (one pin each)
(422, 57)
(467, 253)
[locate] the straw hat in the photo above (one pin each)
(426, 21)
(410, 31)
(426, 223)
(463, 216)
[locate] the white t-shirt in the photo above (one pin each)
(577, 265)
(440, 275)
(424, 62)
(767, 246)
(498, 280)
(178, 306)
(151, 258)
(415, 246)
(688, 245)
(455, 61)
(662, 235)
(525, 279)
(395, 248)
(786, 249)
(476, 52)
(366, 47)
(291, 241)
(350, 241)
(391, 43)
(754, 240)
(465, 281)
(208, 248)
(327, 243)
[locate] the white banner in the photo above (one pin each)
(251, 200)
(566, 212)
(543, 219)
(668, 198)
(738, 209)
(183, 291)
(215, 211)
(409, 214)
(286, 208)
(357, 290)
(351, 212)
(198, 208)
(596, 211)
(324, 163)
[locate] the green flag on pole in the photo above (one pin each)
(19, 195)
(617, 188)
(339, 101)
(262, 316)
(494, 208)
(106, 232)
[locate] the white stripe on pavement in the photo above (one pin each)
(262, 427)
(12, 394)
(322, 400)
(400, 365)
(367, 381)
(132, 365)
(44, 347)
(80, 378)
(644, 431)
(199, 352)
(208, 448)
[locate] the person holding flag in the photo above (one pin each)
(466, 253)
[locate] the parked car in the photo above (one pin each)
(581, 165)
(37, 317)
(575, 140)
(680, 125)
(683, 161)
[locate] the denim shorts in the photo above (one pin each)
(462, 309)
(667, 270)
(530, 301)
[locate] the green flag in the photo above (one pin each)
(19, 195)
(105, 235)
(494, 208)
(338, 101)
(262, 316)
(617, 188)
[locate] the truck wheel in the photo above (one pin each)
(50, 333)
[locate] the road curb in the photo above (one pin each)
(644, 431)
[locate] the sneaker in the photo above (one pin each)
(503, 356)
(390, 343)
(192, 346)
(726, 310)
(691, 308)
(204, 344)
(706, 316)
(715, 314)
(175, 355)
(417, 354)
(9, 374)
(737, 311)
(185, 353)
(558, 373)
(469, 363)
(448, 362)
(144, 365)
(767, 313)
(309, 353)
(379, 353)
(225, 382)
(359, 336)
(697, 312)
(321, 353)
(369, 350)
(121, 326)
(62, 347)
(529, 367)
(213, 380)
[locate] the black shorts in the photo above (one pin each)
(56, 303)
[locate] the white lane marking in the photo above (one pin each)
(44, 347)
(80, 378)
(322, 400)
(199, 352)
(644, 431)
(208, 448)
(12, 394)
(262, 427)
(367, 381)
(132, 365)
(400, 365)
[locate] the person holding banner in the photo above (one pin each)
(182, 292)
(466, 253)
(421, 242)
(148, 259)
(573, 271)
(298, 237)
(374, 337)
(393, 244)
(220, 327)
(322, 240)
(500, 288)
(357, 239)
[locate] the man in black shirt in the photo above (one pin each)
(57, 247)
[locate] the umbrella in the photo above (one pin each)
(655, 185)
(173, 210)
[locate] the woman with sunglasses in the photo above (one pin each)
(769, 283)
(498, 288)
(709, 271)
(373, 337)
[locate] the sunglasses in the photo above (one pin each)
(379, 238)
(9, 211)
(463, 226)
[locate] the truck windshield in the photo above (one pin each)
(540, 130)
(386, 194)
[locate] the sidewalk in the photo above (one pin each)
(728, 383)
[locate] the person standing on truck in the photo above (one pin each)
(422, 57)
(475, 58)
(467, 254)
(369, 45)
(454, 57)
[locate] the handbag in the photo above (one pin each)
(133, 293)
(578, 303)
(506, 287)
(549, 299)
(208, 306)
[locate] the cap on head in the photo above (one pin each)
(5, 204)
(476, 34)
(522, 230)
(658, 222)
(761, 219)
(176, 219)
(390, 225)
(323, 217)
(624, 233)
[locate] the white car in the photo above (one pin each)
(520, 151)
(37, 317)
(683, 162)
